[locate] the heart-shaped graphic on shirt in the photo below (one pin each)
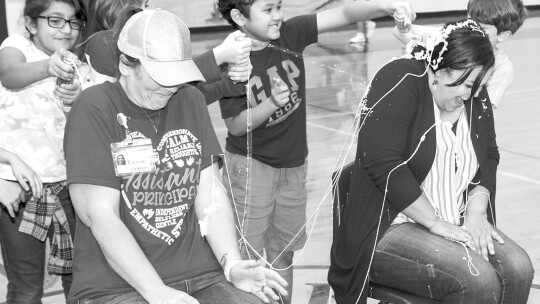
(148, 213)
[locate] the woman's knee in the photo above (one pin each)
(516, 268)
(480, 284)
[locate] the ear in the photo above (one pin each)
(503, 36)
(126, 70)
(238, 17)
(30, 25)
(122, 67)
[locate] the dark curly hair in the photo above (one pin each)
(225, 7)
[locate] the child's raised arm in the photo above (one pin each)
(355, 11)
(16, 73)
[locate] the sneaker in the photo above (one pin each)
(358, 38)
(370, 28)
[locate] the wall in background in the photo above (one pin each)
(3, 23)
(13, 16)
(203, 13)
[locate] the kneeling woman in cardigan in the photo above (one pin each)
(420, 191)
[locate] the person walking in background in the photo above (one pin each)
(365, 30)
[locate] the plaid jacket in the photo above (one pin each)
(38, 216)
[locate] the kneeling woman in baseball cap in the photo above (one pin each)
(157, 227)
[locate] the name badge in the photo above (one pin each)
(133, 156)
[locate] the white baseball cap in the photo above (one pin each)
(161, 41)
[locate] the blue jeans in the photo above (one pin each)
(208, 288)
(24, 256)
(410, 258)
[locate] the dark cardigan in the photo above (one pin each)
(389, 135)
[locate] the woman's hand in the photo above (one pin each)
(251, 276)
(452, 232)
(482, 234)
(26, 176)
(11, 194)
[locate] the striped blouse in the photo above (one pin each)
(453, 168)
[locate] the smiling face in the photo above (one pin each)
(49, 39)
(145, 91)
(265, 19)
(450, 98)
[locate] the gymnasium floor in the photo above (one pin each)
(337, 73)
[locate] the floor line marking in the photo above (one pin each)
(518, 153)
(327, 128)
(530, 180)
(313, 117)
(522, 91)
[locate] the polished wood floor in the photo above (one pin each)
(337, 73)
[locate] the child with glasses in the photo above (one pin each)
(32, 124)
(59, 22)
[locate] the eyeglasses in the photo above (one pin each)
(59, 22)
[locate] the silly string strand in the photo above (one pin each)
(249, 160)
(340, 162)
(249, 152)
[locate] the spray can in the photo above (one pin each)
(403, 20)
(59, 80)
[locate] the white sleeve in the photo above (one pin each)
(501, 78)
(15, 41)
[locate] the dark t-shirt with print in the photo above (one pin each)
(157, 208)
(281, 141)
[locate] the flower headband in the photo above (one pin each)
(432, 41)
